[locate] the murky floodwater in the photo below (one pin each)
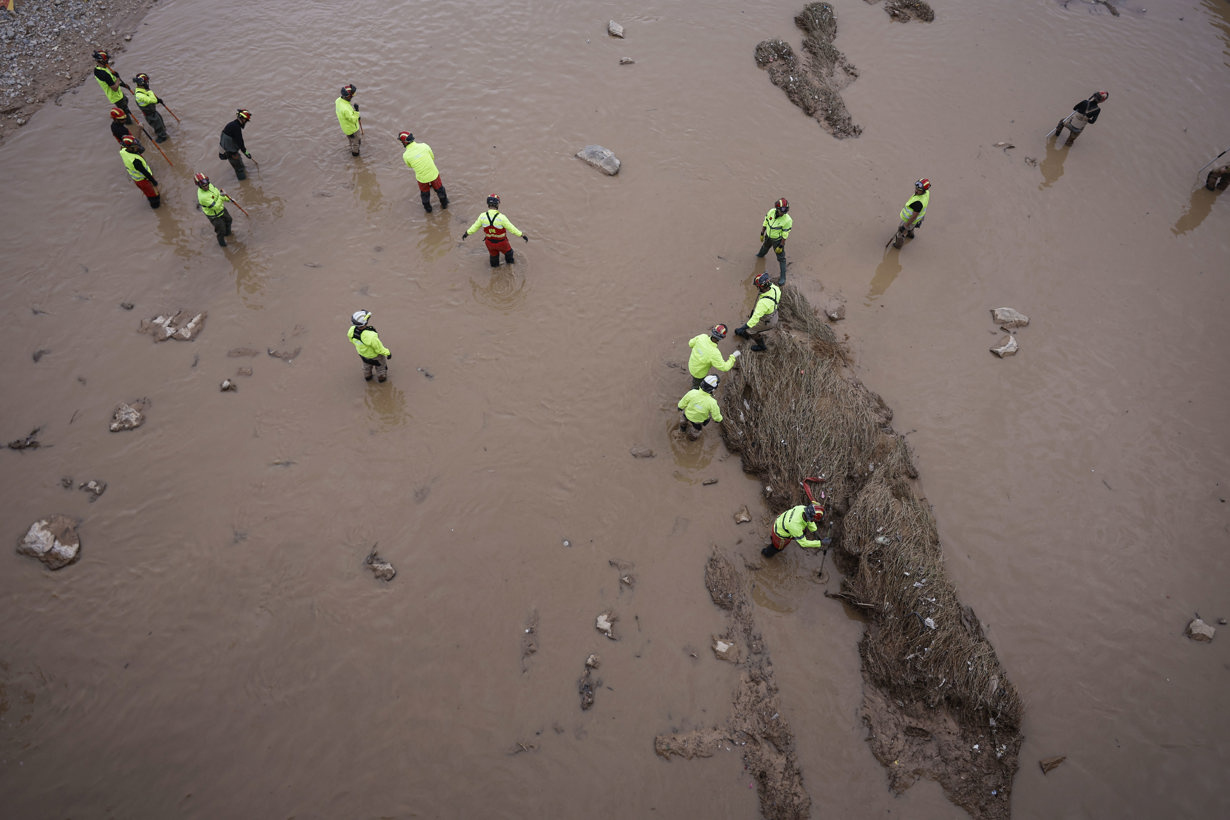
(220, 650)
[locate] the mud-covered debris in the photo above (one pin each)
(1007, 317)
(835, 309)
(626, 61)
(593, 661)
(903, 11)
(641, 452)
(127, 305)
(605, 623)
(615, 29)
(129, 416)
(228, 386)
(585, 688)
(724, 649)
(237, 352)
(1006, 346)
(522, 746)
(529, 639)
(1048, 763)
(244, 371)
(709, 482)
(743, 515)
(381, 568)
(38, 354)
(181, 325)
(67, 482)
(1198, 630)
(94, 487)
(30, 442)
(284, 353)
(722, 580)
(52, 540)
(601, 158)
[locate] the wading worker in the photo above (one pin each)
(419, 158)
(764, 317)
(118, 129)
(212, 201)
(699, 407)
(139, 171)
(374, 354)
(110, 81)
(1083, 113)
(148, 102)
(773, 234)
(1219, 178)
(231, 145)
(795, 524)
(496, 228)
(705, 354)
(348, 118)
(913, 212)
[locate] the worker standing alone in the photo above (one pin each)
(705, 354)
(231, 144)
(148, 101)
(913, 212)
(419, 158)
(212, 200)
(795, 524)
(1083, 113)
(496, 228)
(367, 342)
(139, 171)
(774, 232)
(348, 116)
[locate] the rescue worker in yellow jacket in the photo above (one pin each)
(913, 213)
(773, 234)
(764, 319)
(496, 228)
(348, 118)
(212, 201)
(699, 407)
(796, 524)
(419, 158)
(110, 82)
(148, 101)
(372, 351)
(705, 354)
(139, 171)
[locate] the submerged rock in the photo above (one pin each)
(1006, 346)
(615, 29)
(178, 325)
(94, 488)
(605, 623)
(743, 515)
(128, 416)
(53, 540)
(601, 158)
(1198, 630)
(381, 568)
(1007, 317)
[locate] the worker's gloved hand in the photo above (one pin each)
(356, 106)
(769, 551)
(762, 236)
(463, 236)
(736, 354)
(741, 331)
(780, 247)
(824, 542)
(247, 154)
(388, 355)
(526, 238)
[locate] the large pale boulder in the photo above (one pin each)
(601, 158)
(53, 540)
(1007, 317)
(1006, 346)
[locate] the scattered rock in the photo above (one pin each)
(585, 688)
(1006, 346)
(743, 515)
(27, 443)
(835, 309)
(127, 305)
(529, 639)
(1007, 317)
(94, 487)
(178, 325)
(605, 623)
(725, 649)
(601, 158)
(67, 482)
(228, 386)
(244, 371)
(381, 568)
(641, 452)
(1198, 630)
(615, 29)
(129, 416)
(1051, 762)
(283, 353)
(709, 482)
(53, 540)
(1221, 621)
(236, 352)
(38, 354)
(593, 661)
(626, 61)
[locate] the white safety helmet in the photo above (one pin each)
(360, 317)
(711, 382)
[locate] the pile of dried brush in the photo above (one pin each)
(938, 701)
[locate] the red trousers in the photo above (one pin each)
(147, 188)
(424, 187)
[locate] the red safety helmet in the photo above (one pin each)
(782, 206)
(348, 91)
(102, 56)
(201, 180)
(405, 137)
(812, 511)
(762, 282)
(1102, 96)
(119, 114)
(493, 200)
(718, 331)
(131, 142)
(923, 184)
(142, 80)
(243, 114)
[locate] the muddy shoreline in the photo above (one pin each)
(47, 47)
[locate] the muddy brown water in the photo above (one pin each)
(220, 650)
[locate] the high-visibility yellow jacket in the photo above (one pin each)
(348, 118)
(494, 224)
(792, 524)
(144, 97)
(765, 304)
(697, 406)
(705, 354)
(213, 202)
(367, 342)
(907, 213)
(110, 85)
(420, 159)
(777, 227)
(137, 169)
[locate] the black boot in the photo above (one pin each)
(222, 240)
(760, 344)
(155, 201)
(508, 257)
(495, 261)
(425, 196)
(443, 194)
(769, 551)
